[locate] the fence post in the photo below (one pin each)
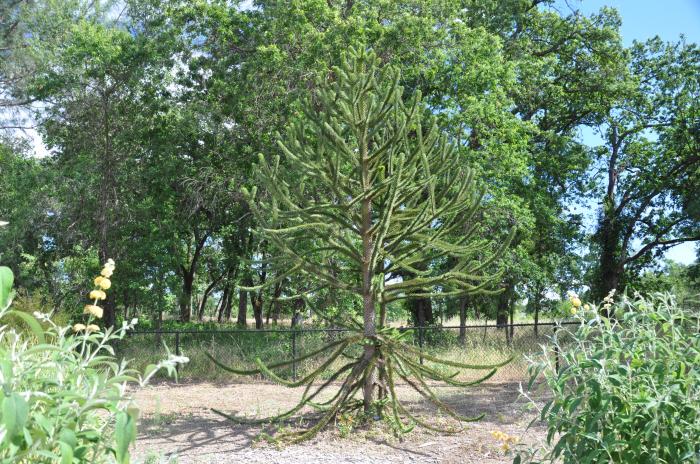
(556, 350)
(294, 354)
(177, 350)
(420, 342)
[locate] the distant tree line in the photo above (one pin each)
(154, 113)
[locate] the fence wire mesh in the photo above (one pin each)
(239, 348)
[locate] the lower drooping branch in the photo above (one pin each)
(391, 360)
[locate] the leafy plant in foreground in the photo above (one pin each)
(379, 195)
(628, 390)
(63, 392)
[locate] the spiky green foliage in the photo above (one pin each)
(380, 193)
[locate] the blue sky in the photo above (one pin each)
(641, 20)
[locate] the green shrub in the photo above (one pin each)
(628, 390)
(63, 392)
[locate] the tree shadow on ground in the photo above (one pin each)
(205, 433)
(193, 433)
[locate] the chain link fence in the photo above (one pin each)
(239, 348)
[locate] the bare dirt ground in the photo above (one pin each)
(177, 422)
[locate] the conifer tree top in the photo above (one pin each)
(379, 190)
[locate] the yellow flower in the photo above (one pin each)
(92, 328)
(93, 310)
(576, 302)
(98, 295)
(110, 262)
(587, 307)
(106, 272)
(573, 311)
(103, 282)
(78, 327)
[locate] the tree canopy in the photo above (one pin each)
(154, 112)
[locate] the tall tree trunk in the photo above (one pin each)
(187, 273)
(369, 313)
(159, 325)
(105, 212)
(275, 304)
(243, 304)
(609, 234)
(160, 303)
(422, 311)
(276, 313)
(256, 299)
(502, 312)
(610, 267)
(205, 296)
(222, 305)
(511, 311)
(298, 308)
(186, 296)
(463, 320)
(229, 303)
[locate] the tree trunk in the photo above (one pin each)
(422, 311)
(229, 303)
(611, 272)
(609, 234)
(107, 201)
(277, 312)
(222, 305)
(242, 308)
(160, 303)
(502, 312)
(511, 310)
(186, 296)
(159, 325)
(188, 273)
(275, 304)
(369, 313)
(463, 320)
(256, 300)
(205, 297)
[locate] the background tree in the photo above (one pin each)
(649, 163)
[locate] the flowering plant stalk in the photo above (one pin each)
(63, 391)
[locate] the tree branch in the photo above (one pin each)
(658, 242)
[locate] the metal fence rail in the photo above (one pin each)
(485, 343)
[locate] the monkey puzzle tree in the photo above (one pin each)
(376, 194)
